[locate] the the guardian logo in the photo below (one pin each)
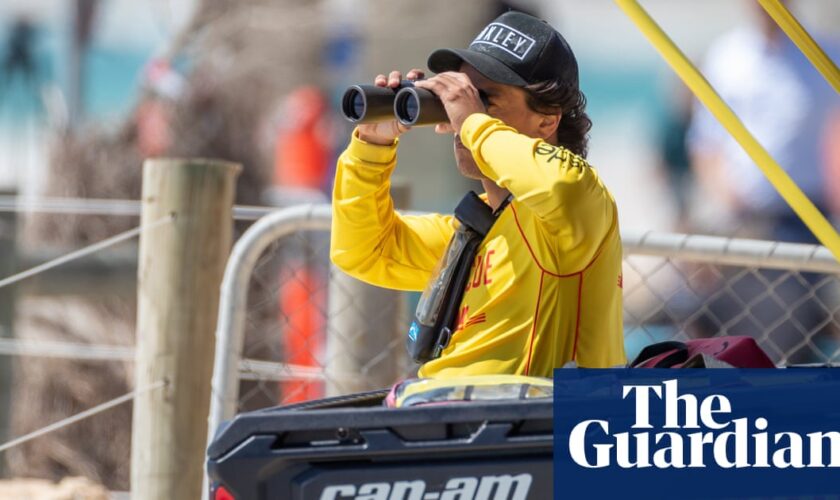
(693, 431)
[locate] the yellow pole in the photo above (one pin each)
(803, 40)
(789, 191)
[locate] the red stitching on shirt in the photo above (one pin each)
(577, 322)
(527, 244)
(579, 274)
(534, 325)
(534, 256)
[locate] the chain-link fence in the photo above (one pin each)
(784, 295)
(296, 301)
(793, 315)
(675, 287)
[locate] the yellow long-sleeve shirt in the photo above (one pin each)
(545, 287)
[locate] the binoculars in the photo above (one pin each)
(409, 104)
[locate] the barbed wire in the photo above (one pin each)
(88, 250)
(253, 369)
(65, 350)
(118, 207)
(82, 206)
(93, 206)
(82, 415)
(249, 369)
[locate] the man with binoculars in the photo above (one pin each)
(542, 282)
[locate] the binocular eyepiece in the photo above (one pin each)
(410, 105)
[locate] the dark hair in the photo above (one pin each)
(555, 97)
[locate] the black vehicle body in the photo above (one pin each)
(354, 448)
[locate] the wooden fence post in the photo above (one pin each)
(180, 269)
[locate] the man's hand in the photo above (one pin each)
(460, 98)
(384, 133)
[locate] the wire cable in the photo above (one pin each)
(129, 208)
(81, 416)
(82, 252)
(65, 350)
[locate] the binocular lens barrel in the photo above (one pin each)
(369, 103)
(414, 106)
(353, 104)
(408, 104)
(406, 107)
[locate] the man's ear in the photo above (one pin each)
(548, 126)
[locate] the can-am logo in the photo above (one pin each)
(502, 487)
(733, 442)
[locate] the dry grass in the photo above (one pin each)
(71, 488)
(238, 77)
(49, 390)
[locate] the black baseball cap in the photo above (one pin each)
(514, 49)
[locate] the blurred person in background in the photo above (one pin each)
(788, 106)
(545, 287)
(18, 59)
(304, 141)
(673, 150)
(831, 163)
(162, 86)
